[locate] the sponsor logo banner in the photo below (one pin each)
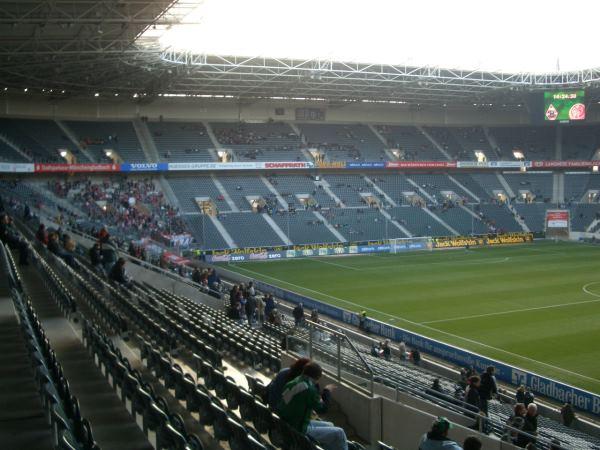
(490, 240)
(557, 219)
(419, 164)
(365, 165)
(331, 165)
(72, 168)
(564, 164)
(508, 164)
(289, 165)
(16, 167)
(216, 166)
(471, 164)
(144, 167)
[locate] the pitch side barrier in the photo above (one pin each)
(538, 384)
(357, 248)
(288, 165)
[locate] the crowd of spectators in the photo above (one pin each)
(247, 305)
(128, 205)
(243, 135)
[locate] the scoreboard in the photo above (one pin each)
(564, 106)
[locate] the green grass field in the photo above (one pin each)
(536, 306)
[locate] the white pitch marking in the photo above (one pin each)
(322, 260)
(512, 311)
(426, 326)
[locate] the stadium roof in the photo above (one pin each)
(134, 48)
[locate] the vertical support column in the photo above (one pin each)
(558, 143)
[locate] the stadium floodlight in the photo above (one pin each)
(63, 153)
(108, 152)
(518, 154)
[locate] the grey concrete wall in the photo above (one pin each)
(261, 110)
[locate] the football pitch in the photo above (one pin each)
(536, 306)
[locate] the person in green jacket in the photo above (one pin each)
(300, 398)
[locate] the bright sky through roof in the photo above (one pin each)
(506, 35)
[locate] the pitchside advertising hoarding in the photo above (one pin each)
(383, 246)
(288, 165)
(16, 168)
(539, 385)
(557, 219)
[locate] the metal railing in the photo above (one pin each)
(333, 350)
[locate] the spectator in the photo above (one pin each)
(524, 396)
(515, 422)
(386, 349)
(437, 438)
(300, 398)
(402, 350)
(298, 314)
(41, 234)
(269, 304)
(530, 426)
(250, 309)
(197, 277)
(416, 357)
(95, 255)
(567, 414)
(109, 256)
(362, 321)
(260, 309)
(118, 273)
(275, 387)
(436, 386)
(275, 318)
(488, 387)
(53, 244)
(472, 443)
(472, 395)
(314, 316)
(103, 235)
(375, 350)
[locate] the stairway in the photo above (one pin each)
(224, 233)
(387, 151)
(330, 227)
(23, 423)
(15, 147)
(146, 141)
(505, 185)
(211, 135)
(278, 231)
(493, 143)
(435, 143)
(113, 427)
(441, 221)
(395, 223)
(73, 138)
